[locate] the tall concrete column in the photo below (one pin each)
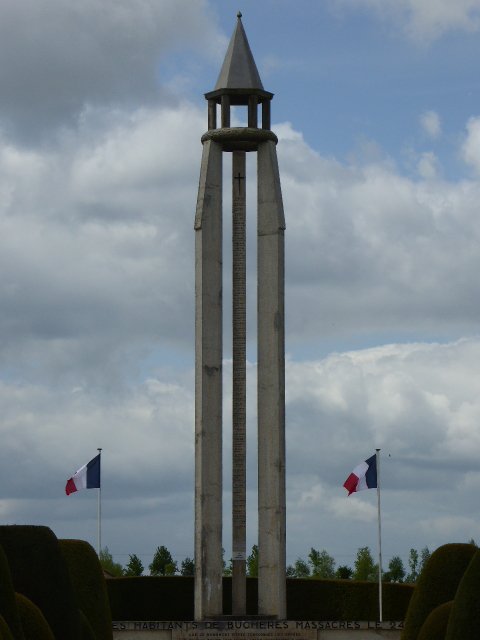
(239, 85)
(239, 382)
(208, 385)
(271, 386)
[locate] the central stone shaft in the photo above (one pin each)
(239, 383)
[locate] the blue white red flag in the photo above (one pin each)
(364, 476)
(87, 477)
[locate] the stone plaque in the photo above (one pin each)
(244, 630)
(256, 629)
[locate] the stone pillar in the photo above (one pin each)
(271, 387)
(239, 381)
(208, 385)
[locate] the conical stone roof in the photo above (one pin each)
(239, 70)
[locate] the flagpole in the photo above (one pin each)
(99, 508)
(377, 451)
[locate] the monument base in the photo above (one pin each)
(256, 628)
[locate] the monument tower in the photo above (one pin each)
(239, 84)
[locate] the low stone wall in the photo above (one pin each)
(256, 630)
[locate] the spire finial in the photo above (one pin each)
(239, 14)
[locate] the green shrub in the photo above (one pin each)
(87, 632)
(437, 584)
(35, 627)
(39, 572)
(5, 633)
(8, 604)
(464, 623)
(435, 626)
(89, 585)
(171, 598)
(309, 599)
(165, 597)
(314, 599)
(151, 598)
(396, 599)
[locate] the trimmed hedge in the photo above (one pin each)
(437, 584)
(8, 604)
(151, 598)
(89, 585)
(86, 628)
(311, 599)
(435, 626)
(171, 598)
(34, 624)
(464, 623)
(5, 633)
(39, 572)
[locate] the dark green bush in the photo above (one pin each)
(151, 598)
(5, 633)
(87, 632)
(171, 598)
(8, 604)
(437, 584)
(35, 627)
(39, 572)
(166, 597)
(314, 599)
(89, 585)
(309, 599)
(435, 626)
(464, 623)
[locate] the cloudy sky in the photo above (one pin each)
(377, 110)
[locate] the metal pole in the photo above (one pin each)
(99, 508)
(380, 607)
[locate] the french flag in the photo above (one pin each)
(87, 477)
(364, 476)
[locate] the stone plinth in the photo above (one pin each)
(257, 629)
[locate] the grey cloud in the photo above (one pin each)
(369, 249)
(97, 245)
(58, 57)
(96, 313)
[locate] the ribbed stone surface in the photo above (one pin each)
(271, 386)
(208, 386)
(239, 382)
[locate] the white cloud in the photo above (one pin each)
(96, 313)
(139, 151)
(419, 404)
(428, 165)
(431, 18)
(97, 240)
(424, 20)
(365, 241)
(471, 145)
(451, 528)
(90, 301)
(430, 122)
(392, 396)
(355, 509)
